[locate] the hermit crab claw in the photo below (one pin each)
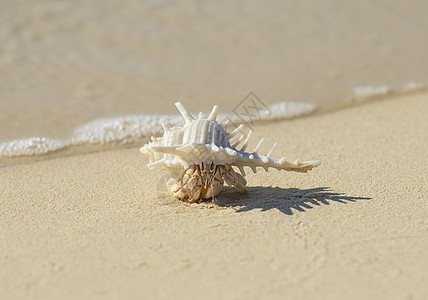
(202, 154)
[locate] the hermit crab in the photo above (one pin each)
(200, 157)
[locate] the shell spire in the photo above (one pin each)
(213, 114)
(246, 141)
(258, 145)
(186, 115)
(235, 131)
(271, 149)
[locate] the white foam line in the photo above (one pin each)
(414, 86)
(370, 91)
(381, 90)
(131, 129)
(31, 146)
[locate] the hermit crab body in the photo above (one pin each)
(199, 157)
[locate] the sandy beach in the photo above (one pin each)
(91, 226)
(87, 220)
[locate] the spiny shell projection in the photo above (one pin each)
(199, 157)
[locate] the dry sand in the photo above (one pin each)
(91, 226)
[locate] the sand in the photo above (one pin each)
(91, 226)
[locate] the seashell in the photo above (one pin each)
(200, 157)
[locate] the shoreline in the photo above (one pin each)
(85, 148)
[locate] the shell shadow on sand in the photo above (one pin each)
(285, 200)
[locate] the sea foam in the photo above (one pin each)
(369, 91)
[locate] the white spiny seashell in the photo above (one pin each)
(200, 158)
